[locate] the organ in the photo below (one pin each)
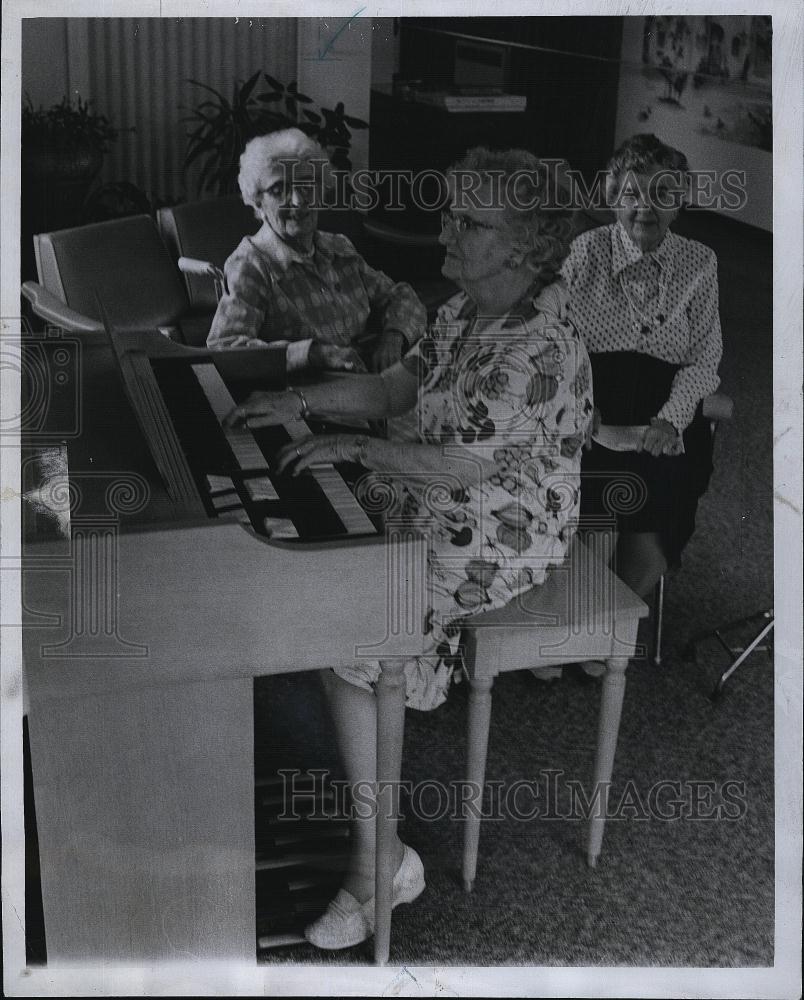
(145, 628)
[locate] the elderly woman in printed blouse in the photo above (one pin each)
(645, 302)
(290, 283)
(502, 393)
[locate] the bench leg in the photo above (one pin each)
(390, 734)
(611, 705)
(477, 745)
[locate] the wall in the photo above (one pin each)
(678, 129)
(334, 65)
(136, 70)
(384, 52)
(45, 60)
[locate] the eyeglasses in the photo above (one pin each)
(280, 190)
(463, 223)
(658, 196)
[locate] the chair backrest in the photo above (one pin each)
(211, 230)
(122, 262)
(205, 230)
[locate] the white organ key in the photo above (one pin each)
(241, 440)
(220, 484)
(260, 489)
(279, 527)
(227, 501)
(249, 456)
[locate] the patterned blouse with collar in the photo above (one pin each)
(277, 295)
(663, 303)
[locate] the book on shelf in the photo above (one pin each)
(472, 100)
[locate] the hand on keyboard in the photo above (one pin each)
(329, 357)
(317, 449)
(264, 409)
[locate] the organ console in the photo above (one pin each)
(189, 568)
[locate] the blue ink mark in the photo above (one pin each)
(323, 52)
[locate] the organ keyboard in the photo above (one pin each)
(189, 442)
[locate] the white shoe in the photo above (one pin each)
(546, 673)
(593, 668)
(345, 922)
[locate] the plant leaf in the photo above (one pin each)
(212, 90)
(248, 86)
(274, 83)
(355, 122)
(199, 150)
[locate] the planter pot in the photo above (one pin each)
(55, 184)
(80, 163)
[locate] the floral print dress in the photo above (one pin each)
(515, 391)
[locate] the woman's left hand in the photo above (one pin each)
(263, 409)
(317, 449)
(661, 438)
(388, 351)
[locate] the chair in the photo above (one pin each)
(122, 264)
(765, 621)
(206, 232)
(716, 408)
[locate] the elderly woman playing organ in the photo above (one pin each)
(290, 283)
(501, 391)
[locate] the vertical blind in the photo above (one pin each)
(138, 70)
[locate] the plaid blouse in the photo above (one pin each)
(663, 303)
(276, 294)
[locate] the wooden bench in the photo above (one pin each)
(582, 612)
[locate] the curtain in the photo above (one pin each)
(137, 72)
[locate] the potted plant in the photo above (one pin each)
(223, 127)
(62, 150)
(65, 140)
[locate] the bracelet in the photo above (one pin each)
(305, 410)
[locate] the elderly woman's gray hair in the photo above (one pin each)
(530, 193)
(641, 154)
(288, 145)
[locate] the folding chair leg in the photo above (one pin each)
(745, 653)
(658, 612)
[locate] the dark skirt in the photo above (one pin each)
(636, 491)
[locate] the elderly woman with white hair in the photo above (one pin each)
(501, 390)
(645, 302)
(290, 283)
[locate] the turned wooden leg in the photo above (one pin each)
(477, 742)
(390, 734)
(658, 617)
(611, 705)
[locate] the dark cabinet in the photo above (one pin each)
(567, 67)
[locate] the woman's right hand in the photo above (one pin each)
(330, 357)
(263, 409)
(592, 429)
